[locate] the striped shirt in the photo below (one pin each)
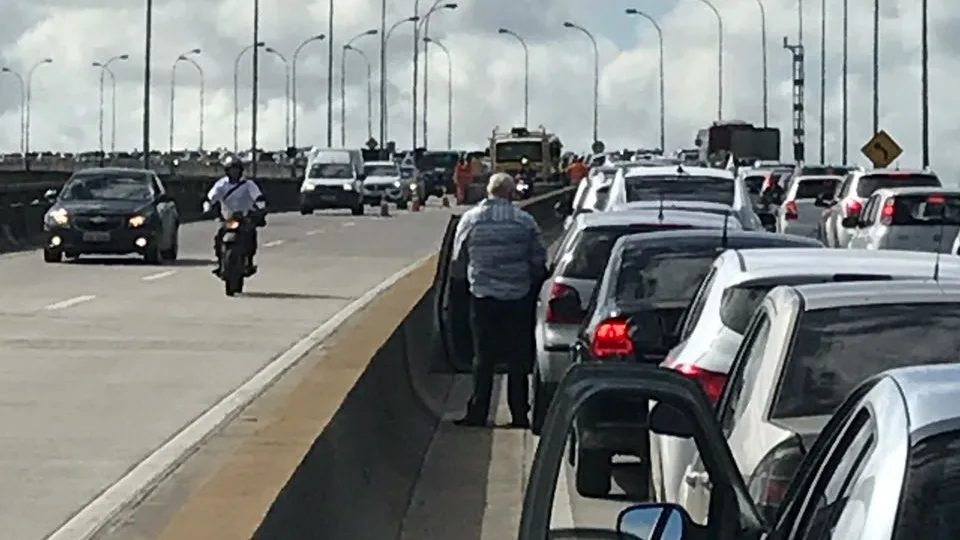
(502, 250)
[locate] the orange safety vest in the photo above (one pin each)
(464, 173)
(576, 172)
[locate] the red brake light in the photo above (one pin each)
(854, 208)
(936, 199)
(711, 381)
(612, 338)
(564, 305)
(790, 210)
(888, 212)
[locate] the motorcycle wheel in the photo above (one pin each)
(232, 271)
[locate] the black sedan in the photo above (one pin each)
(111, 211)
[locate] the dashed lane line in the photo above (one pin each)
(70, 302)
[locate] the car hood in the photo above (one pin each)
(105, 207)
(381, 180)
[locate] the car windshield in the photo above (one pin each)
(755, 182)
(90, 187)
(871, 183)
(406, 172)
(680, 188)
(836, 349)
(381, 170)
(331, 170)
(811, 188)
(433, 160)
(515, 150)
(663, 274)
(926, 210)
(587, 254)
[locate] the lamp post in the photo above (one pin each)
(716, 12)
(596, 75)
(925, 83)
(446, 52)
(236, 93)
(876, 66)
(330, 75)
(173, 91)
(26, 139)
(23, 108)
(384, 111)
(293, 83)
(656, 25)
(526, 72)
(203, 91)
(147, 72)
(426, 65)
(366, 60)
(105, 69)
(763, 54)
(343, 82)
(255, 90)
(286, 93)
(844, 83)
(823, 80)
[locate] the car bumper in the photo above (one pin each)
(115, 242)
(391, 194)
(329, 199)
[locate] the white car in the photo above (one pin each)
(384, 181)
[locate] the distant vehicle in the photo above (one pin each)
(334, 179)
(739, 139)
(384, 181)
(799, 214)
(911, 219)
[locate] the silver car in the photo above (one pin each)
(913, 219)
(857, 187)
(799, 214)
(805, 350)
(712, 329)
(691, 206)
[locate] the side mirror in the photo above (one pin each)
(50, 195)
(653, 521)
(851, 222)
(768, 220)
(666, 419)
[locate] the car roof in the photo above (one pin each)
(930, 393)
(862, 293)
(734, 238)
(891, 260)
(113, 170)
(892, 172)
(917, 190)
(671, 170)
(670, 204)
(380, 163)
(652, 215)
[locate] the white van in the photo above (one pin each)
(333, 179)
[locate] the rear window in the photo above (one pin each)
(738, 304)
(930, 502)
(755, 182)
(926, 210)
(588, 252)
(869, 184)
(823, 170)
(811, 188)
(663, 275)
(834, 350)
(680, 188)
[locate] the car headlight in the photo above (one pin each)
(396, 184)
(348, 187)
(413, 186)
(307, 187)
(232, 225)
(58, 217)
(137, 221)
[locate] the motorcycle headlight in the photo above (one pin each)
(307, 187)
(232, 225)
(413, 186)
(396, 184)
(58, 217)
(137, 221)
(348, 187)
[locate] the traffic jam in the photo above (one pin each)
(773, 351)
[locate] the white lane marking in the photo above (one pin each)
(561, 516)
(348, 224)
(159, 275)
(316, 232)
(88, 522)
(70, 302)
(275, 243)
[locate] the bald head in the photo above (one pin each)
(501, 186)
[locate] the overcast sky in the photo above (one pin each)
(488, 70)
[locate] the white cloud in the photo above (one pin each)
(488, 78)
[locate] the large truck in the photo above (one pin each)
(744, 141)
(542, 150)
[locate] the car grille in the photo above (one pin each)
(328, 190)
(99, 223)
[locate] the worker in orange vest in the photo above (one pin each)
(463, 176)
(577, 171)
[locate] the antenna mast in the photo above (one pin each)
(943, 222)
(660, 210)
(723, 239)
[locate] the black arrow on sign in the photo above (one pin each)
(878, 146)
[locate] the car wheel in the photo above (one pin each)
(52, 255)
(542, 397)
(401, 205)
(593, 472)
(153, 255)
(173, 251)
(304, 211)
(357, 210)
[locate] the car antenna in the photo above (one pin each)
(660, 209)
(936, 262)
(723, 239)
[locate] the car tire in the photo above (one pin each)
(593, 472)
(401, 205)
(304, 211)
(52, 255)
(153, 255)
(173, 251)
(357, 210)
(542, 397)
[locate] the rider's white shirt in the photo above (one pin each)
(243, 199)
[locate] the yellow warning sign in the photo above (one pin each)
(881, 150)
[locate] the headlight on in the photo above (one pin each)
(307, 187)
(396, 184)
(232, 225)
(348, 187)
(58, 217)
(137, 221)
(413, 186)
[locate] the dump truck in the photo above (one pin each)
(744, 141)
(542, 149)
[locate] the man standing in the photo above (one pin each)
(500, 248)
(577, 171)
(463, 176)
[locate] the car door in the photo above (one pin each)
(450, 316)
(836, 213)
(861, 238)
(167, 211)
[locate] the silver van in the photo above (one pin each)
(909, 219)
(333, 179)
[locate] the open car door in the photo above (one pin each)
(682, 409)
(451, 315)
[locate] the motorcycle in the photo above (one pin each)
(236, 250)
(524, 186)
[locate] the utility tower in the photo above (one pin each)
(799, 125)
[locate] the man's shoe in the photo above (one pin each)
(250, 270)
(469, 421)
(520, 423)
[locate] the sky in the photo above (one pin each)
(488, 72)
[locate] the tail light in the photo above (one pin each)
(563, 307)
(854, 208)
(612, 339)
(888, 212)
(936, 199)
(771, 479)
(712, 382)
(790, 210)
(768, 182)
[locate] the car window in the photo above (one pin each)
(693, 313)
(872, 182)
(755, 182)
(811, 188)
(930, 501)
(845, 187)
(870, 210)
(331, 170)
(381, 170)
(926, 210)
(744, 374)
(832, 493)
(738, 304)
(105, 186)
(665, 274)
(680, 187)
(836, 349)
(587, 255)
(569, 236)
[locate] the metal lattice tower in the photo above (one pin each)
(799, 123)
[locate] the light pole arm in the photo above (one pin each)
(716, 12)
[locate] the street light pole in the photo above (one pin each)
(366, 60)
(876, 66)
(293, 84)
(105, 69)
(596, 76)
(286, 93)
(147, 72)
(384, 110)
(446, 52)
(656, 25)
(330, 76)
(845, 88)
(526, 73)
(203, 98)
(823, 80)
(173, 91)
(255, 93)
(925, 83)
(426, 65)
(719, 57)
(343, 82)
(236, 93)
(23, 108)
(29, 99)
(763, 53)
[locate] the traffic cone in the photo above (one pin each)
(384, 207)
(415, 205)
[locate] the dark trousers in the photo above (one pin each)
(500, 335)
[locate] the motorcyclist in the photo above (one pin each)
(526, 172)
(235, 193)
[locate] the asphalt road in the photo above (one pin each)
(104, 360)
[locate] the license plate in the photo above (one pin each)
(328, 197)
(96, 237)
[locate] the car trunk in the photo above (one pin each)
(652, 327)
